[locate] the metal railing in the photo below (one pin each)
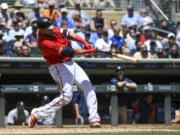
(177, 5)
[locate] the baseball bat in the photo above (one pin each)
(124, 57)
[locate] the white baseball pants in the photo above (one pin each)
(66, 74)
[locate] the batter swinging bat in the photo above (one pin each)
(124, 57)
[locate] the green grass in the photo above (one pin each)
(120, 133)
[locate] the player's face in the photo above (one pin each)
(45, 31)
(120, 76)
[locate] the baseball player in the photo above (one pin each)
(56, 49)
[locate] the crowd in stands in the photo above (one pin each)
(134, 35)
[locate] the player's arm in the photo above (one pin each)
(72, 36)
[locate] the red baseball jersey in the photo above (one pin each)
(52, 46)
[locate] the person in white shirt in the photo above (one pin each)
(131, 18)
(153, 43)
(146, 19)
(104, 44)
(18, 115)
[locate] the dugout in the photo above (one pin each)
(33, 71)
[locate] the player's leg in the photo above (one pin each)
(82, 81)
(61, 73)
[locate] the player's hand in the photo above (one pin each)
(121, 84)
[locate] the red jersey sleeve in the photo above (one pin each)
(52, 47)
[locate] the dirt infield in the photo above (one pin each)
(85, 129)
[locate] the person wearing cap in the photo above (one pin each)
(18, 115)
(129, 18)
(51, 12)
(97, 21)
(122, 82)
(17, 8)
(64, 16)
(4, 15)
(172, 47)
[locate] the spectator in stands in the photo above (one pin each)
(78, 21)
(17, 18)
(96, 35)
(131, 40)
(97, 21)
(146, 34)
(121, 83)
(112, 24)
(130, 18)
(114, 49)
(64, 16)
(26, 51)
(126, 51)
(103, 44)
(145, 110)
(171, 46)
(146, 19)
(17, 28)
(83, 15)
(178, 27)
(19, 39)
(164, 25)
(81, 110)
(116, 39)
(50, 119)
(142, 53)
(161, 53)
(4, 15)
(107, 3)
(153, 44)
(31, 41)
(51, 12)
(35, 14)
(18, 115)
(41, 3)
(17, 9)
(17, 51)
